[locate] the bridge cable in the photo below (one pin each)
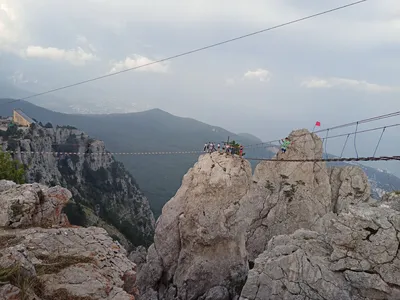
(355, 137)
(383, 131)
(344, 146)
(326, 142)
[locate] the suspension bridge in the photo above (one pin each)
(267, 144)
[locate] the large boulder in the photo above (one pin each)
(53, 260)
(29, 205)
(199, 245)
(356, 258)
(286, 196)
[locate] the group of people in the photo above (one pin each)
(227, 148)
(210, 147)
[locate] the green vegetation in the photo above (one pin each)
(11, 169)
(55, 264)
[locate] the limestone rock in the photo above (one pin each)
(61, 262)
(9, 292)
(357, 258)
(392, 200)
(349, 186)
(286, 196)
(199, 241)
(6, 184)
(80, 262)
(138, 256)
(32, 205)
(222, 216)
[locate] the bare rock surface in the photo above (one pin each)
(357, 258)
(57, 263)
(307, 232)
(31, 205)
(205, 244)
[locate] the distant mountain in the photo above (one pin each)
(159, 176)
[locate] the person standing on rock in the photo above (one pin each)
(219, 148)
(285, 143)
(205, 147)
(241, 150)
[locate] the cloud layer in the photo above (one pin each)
(346, 83)
(137, 60)
(74, 56)
(259, 74)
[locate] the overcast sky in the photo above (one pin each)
(334, 68)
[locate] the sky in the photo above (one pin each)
(335, 68)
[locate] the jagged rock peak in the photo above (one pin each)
(223, 217)
(65, 262)
(357, 257)
(199, 245)
(98, 183)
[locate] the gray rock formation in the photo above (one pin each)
(392, 200)
(61, 262)
(95, 179)
(223, 216)
(30, 205)
(356, 258)
(199, 245)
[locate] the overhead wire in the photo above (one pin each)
(381, 117)
(191, 51)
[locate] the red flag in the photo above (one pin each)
(318, 123)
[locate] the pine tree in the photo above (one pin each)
(11, 169)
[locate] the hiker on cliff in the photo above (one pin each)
(241, 151)
(212, 148)
(205, 147)
(285, 143)
(219, 148)
(209, 147)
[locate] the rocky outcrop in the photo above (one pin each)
(356, 258)
(59, 262)
(392, 200)
(99, 184)
(286, 196)
(222, 217)
(199, 244)
(30, 205)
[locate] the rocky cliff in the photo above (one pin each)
(291, 230)
(99, 184)
(42, 257)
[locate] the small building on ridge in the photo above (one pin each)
(21, 119)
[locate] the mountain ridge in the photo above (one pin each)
(154, 131)
(104, 192)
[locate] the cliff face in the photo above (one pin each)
(292, 230)
(98, 183)
(42, 257)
